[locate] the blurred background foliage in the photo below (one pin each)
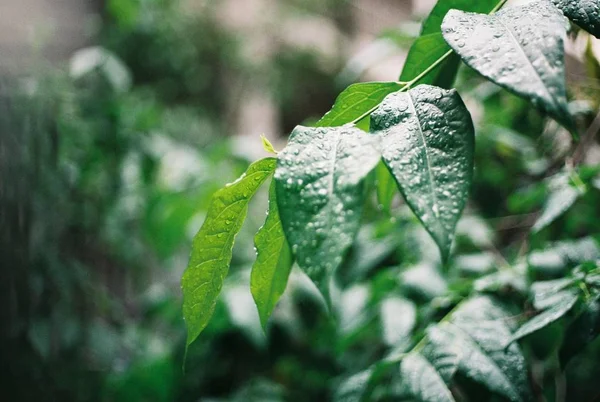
(109, 161)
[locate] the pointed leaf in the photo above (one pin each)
(562, 197)
(585, 13)
(562, 306)
(422, 381)
(320, 191)
(427, 141)
(273, 264)
(431, 46)
(212, 249)
(357, 101)
(386, 187)
(519, 48)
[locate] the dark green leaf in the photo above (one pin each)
(427, 140)
(562, 306)
(320, 191)
(356, 102)
(585, 13)
(422, 381)
(273, 263)
(212, 249)
(519, 48)
(354, 387)
(581, 332)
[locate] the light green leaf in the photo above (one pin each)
(427, 140)
(386, 187)
(562, 306)
(356, 102)
(320, 191)
(585, 13)
(431, 46)
(273, 264)
(212, 248)
(562, 197)
(519, 48)
(422, 381)
(267, 146)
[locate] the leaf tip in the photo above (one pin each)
(267, 145)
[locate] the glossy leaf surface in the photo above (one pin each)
(320, 193)
(427, 140)
(356, 101)
(422, 381)
(212, 248)
(585, 13)
(273, 263)
(519, 48)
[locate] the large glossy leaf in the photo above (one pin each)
(585, 13)
(273, 263)
(563, 304)
(427, 140)
(212, 248)
(356, 102)
(422, 381)
(320, 193)
(519, 48)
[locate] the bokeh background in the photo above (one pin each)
(120, 118)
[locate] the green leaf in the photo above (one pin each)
(356, 102)
(353, 388)
(422, 381)
(320, 191)
(518, 48)
(585, 13)
(267, 146)
(562, 306)
(489, 326)
(547, 293)
(427, 142)
(583, 331)
(273, 264)
(386, 187)
(431, 46)
(212, 248)
(562, 197)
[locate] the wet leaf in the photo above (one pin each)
(431, 46)
(273, 264)
(585, 13)
(212, 248)
(320, 191)
(426, 140)
(519, 48)
(356, 102)
(422, 381)
(562, 305)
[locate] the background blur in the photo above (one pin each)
(120, 118)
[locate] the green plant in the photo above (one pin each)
(417, 136)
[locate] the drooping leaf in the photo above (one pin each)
(212, 248)
(357, 101)
(562, 197)
(320, 192)
(585, 13)
(490, 327)
(422, 381)
(431, 46)
(427, 140)
(273, 263)
(519, 48)
(562, 306)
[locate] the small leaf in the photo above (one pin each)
(431, 46)
(562, 197)
(267, 146)
(398, 318)
(561, 307)
(320, 191)
(273, 264)
(357, 101)
(212, 248)
(585, 13)
(427, 142)
(547, 293)
(422, 381)
(519, 48)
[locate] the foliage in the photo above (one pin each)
(472, 307)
